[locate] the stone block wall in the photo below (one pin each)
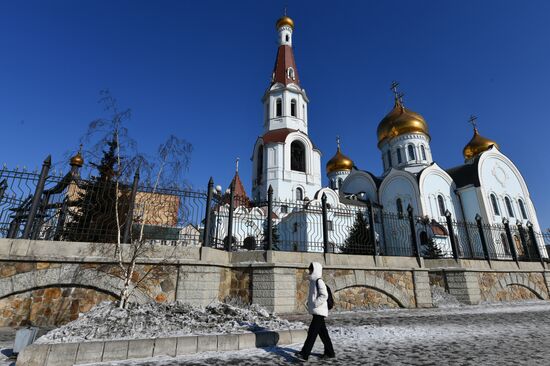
(503, 286)
(199, 285)
(235, 284)
(354, 289)
(51, 306)
(274, 288)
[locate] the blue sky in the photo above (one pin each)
(197, 69)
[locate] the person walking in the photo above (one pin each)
(318, 307)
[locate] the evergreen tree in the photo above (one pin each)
(93, 213)
(274, 235)
(431, 250)
(358, 241)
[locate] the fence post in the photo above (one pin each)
(510, 240)
(269, 220)
(208, 213)
(372, 233)
(524, 241)
(229, 242)
(534, 241)
(37, 196)
(482, 238)
(451, 230)
(3, 188)
(325, 222)
(130, 215)
(415, 247)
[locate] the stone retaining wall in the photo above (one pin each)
(47, 283)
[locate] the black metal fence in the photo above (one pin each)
(69, 208)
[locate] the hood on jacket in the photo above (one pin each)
(317, 271)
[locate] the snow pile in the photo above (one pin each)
(107, 321)
(442, 299)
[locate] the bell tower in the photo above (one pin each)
(284, 156)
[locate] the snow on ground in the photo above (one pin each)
(107, 321)
(442, 299)
(490, 334)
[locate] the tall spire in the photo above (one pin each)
(285, 71)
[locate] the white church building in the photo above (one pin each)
(284, 157)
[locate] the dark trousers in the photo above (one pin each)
(317, 327)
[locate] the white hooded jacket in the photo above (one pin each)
(318, 294)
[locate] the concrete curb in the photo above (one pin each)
(67, 354)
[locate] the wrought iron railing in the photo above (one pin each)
(69, 208)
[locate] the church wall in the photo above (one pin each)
(470, 203)
(398, 186)
(360, 182)
(433, 186)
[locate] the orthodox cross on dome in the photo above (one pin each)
(393, 88)
(397, 94)
(473, 121)
(338, 142)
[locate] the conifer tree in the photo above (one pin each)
(431, 250)
(93, 213)
(274, 235)
(358, 241)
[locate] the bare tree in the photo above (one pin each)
(166, 170)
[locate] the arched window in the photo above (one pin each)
(522, 209)
(279, 108)
(297, 156)
(304, 112)
(494, 204)
(389, 159)
(509, 207)
(340, 181)
(399, 159)
(441, 204)
(299, 194)
(423, 152)
(287, 37)
(260, 164)
(293, 107)
(399, 206)
(411, 152)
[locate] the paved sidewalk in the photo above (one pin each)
(509, 334)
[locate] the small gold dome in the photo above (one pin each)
(77, 160)
(339, 162)
(285, 21)
(400, 120)
(477, 145)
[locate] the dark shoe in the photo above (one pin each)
(325, 356)
(301, 356)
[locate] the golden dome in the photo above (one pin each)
(339, 162)
(77, 160)
(400, 120)
(477, 145)
(285, 21)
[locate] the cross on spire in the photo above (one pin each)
(472, 120)
(237, 165)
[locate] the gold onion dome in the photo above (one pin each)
(77, 160)
(477, 145)
(285, 21)
(399, 121)
(339, 162)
